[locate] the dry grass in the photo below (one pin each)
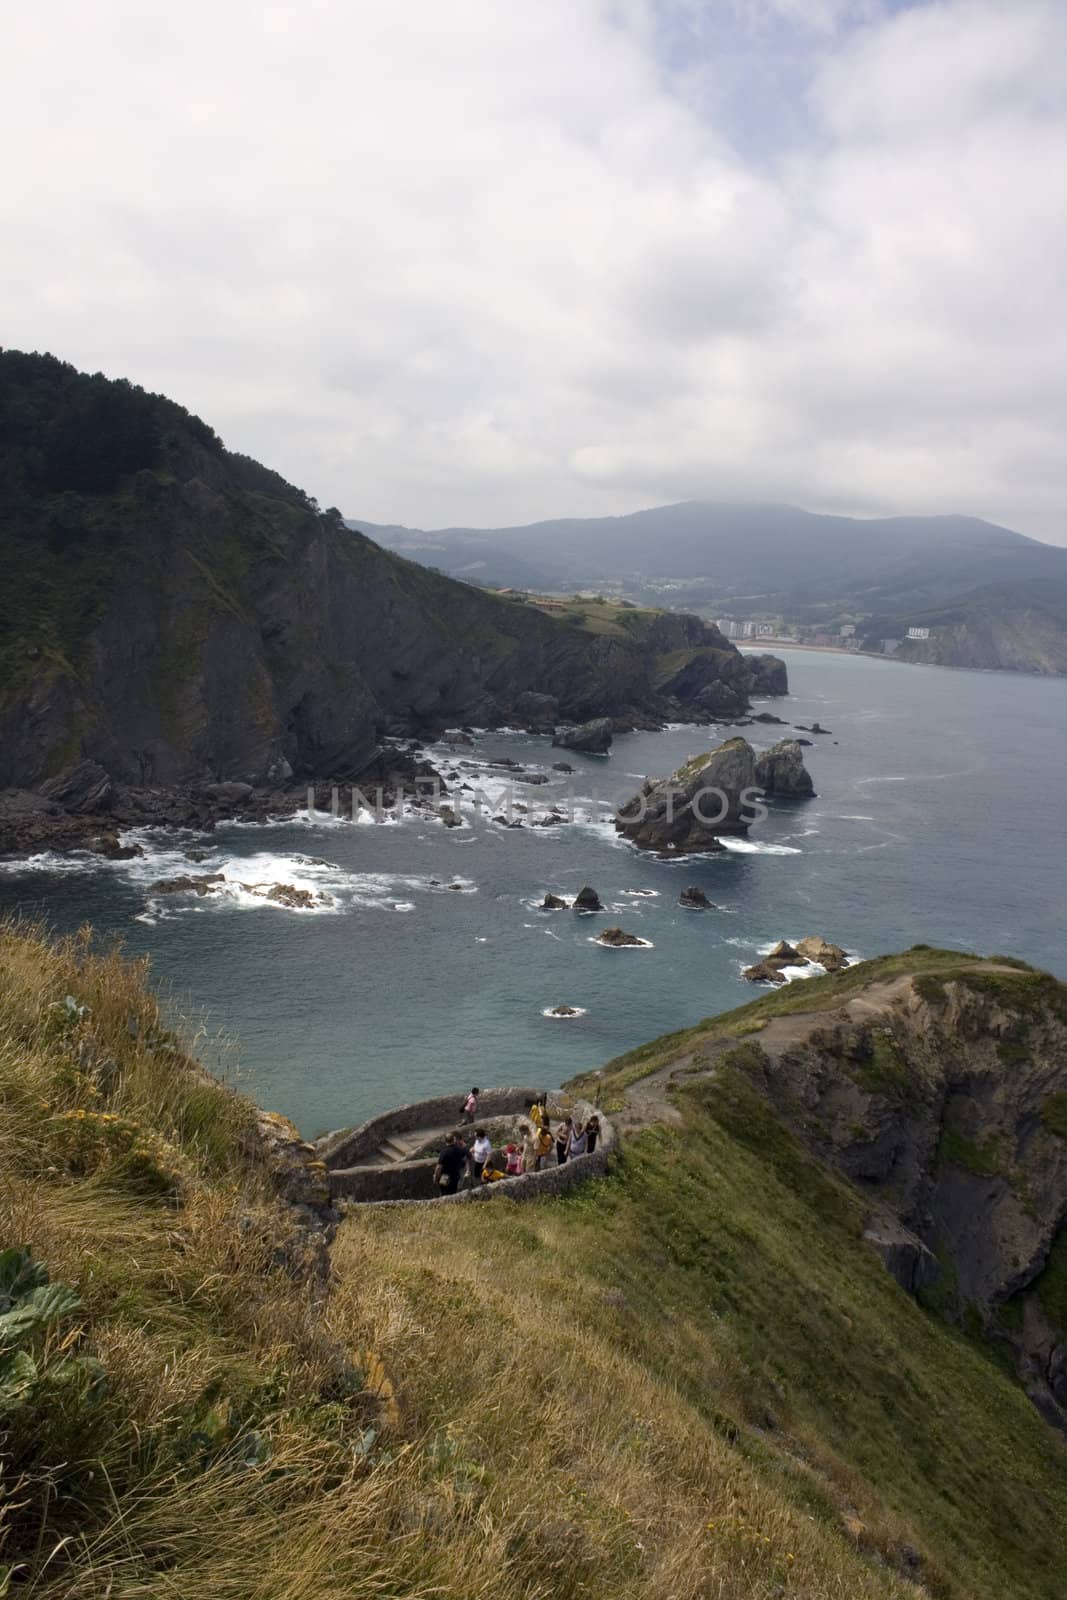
(563, 1401)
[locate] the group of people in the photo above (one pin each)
(478, 1161)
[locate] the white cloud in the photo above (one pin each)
(483, 263)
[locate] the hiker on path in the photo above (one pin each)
(470, 1106)
(494, 1168)
(529, 1148)
(539, 1112)
(563, 1139)
(545, 1141)
(481, 1150)
(451, 1164)
(576, 1142)
(513, 1160)
(592, 1134)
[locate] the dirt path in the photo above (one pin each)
(648, 1099)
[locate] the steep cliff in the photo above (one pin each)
(178, 613)
(1009, 627)
(937, 1084)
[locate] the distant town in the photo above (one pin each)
(844, 638)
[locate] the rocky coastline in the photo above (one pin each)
(85, 808)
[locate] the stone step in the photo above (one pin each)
(396, 1149)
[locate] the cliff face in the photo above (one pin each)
(937, 1084)
(178, 613)
(1017, 627)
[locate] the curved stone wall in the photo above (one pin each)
(411, 1182)
(340, 1149)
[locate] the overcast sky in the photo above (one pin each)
(486, 261)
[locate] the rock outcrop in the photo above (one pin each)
(694, 899)
(943, 1097)
(781, 771)
(592, 737)
(619, 939)
(823, 953)
(552, 902)
(711, 795)
(587, 899)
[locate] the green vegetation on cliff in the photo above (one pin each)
(178, 613)
(690, 1378)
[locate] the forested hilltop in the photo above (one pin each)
(692, 1377)
(985, 595)
(177, 612)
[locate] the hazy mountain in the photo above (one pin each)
(770, 553)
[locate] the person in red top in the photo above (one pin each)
(470, 1105)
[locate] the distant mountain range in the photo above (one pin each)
(988, 594)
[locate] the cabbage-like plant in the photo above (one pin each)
(29, 1305)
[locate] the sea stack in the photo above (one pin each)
(781, 771)
(710, 795)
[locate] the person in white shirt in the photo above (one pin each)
(481, 1150)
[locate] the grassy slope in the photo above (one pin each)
(814, 994)
(675, 1383)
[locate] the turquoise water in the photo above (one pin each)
(939, 819)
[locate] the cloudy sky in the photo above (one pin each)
(486, 261)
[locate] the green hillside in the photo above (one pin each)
(690, 1378)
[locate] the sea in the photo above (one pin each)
(426, 966)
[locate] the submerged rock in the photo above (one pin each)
(587, 899)
(710, 795)
(781, 770)
(694, 899)
(203, 884)
(111, 847)
(286, 894)
(592, 737)
(564, 1011)
(766, 972)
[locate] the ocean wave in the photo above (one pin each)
(756, 847)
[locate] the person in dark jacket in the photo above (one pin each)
(451, 1164)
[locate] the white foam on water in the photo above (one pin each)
(754, 847)
(641, 894)
(51, 863)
